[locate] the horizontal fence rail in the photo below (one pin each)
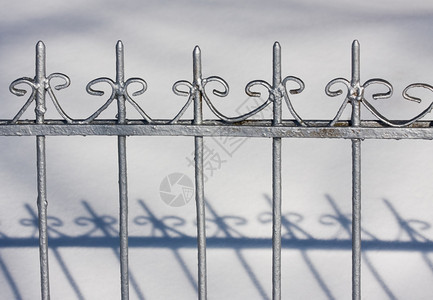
(196, 94)
(211, 129)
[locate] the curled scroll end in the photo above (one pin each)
(220, 93)
(252, 93)
(94, 92)
(298, 81)
(21, 92)
(141, 82)
(16, 91)
(414, 85)
(138, 93)
(180, 92)
(65, 78)
(335, 93)
(216, 92)
(384, 95)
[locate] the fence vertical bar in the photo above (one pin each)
(199, 180)
(42, 202)
(123, 188)
(276, 177)
(356, 174)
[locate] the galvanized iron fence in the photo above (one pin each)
(196, 94)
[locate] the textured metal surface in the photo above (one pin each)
(356, 219)
(42, 202)
(260, 130)
(355, 99)
(123, 187)
(199, 179)
(276, 178)
(120, 94)
(195, 92)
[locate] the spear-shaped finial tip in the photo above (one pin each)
(40, 45)
(196, 57)
(119, 45)
(355, 62)
(196, 54)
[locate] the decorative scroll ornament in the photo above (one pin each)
(197, 91)
(40, 85)
(119, 91)
(355, 94)
(278, 89)
(418, 100)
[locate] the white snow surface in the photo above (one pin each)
(236, 39)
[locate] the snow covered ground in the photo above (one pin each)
(236, 39)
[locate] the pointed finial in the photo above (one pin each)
(119, 45)
(40, 45)
(276, 65)
(197, 49)
(40, 80)
(197, 83)
(40, 62)
(120, 62)
(355, 62)
(196, 57)
(357, 90)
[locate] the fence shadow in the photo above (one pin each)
(225, 231)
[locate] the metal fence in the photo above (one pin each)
(244, 125)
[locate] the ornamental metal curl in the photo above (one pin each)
(418, 100)
(276, 94)
(40, 85)
(355, 95)
(278, 90)
(20, 92)
(197, 90)
(198, 86)
(119, 91)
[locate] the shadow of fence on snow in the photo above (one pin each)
(166, 232)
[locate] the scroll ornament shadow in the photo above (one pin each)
(227, 231)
